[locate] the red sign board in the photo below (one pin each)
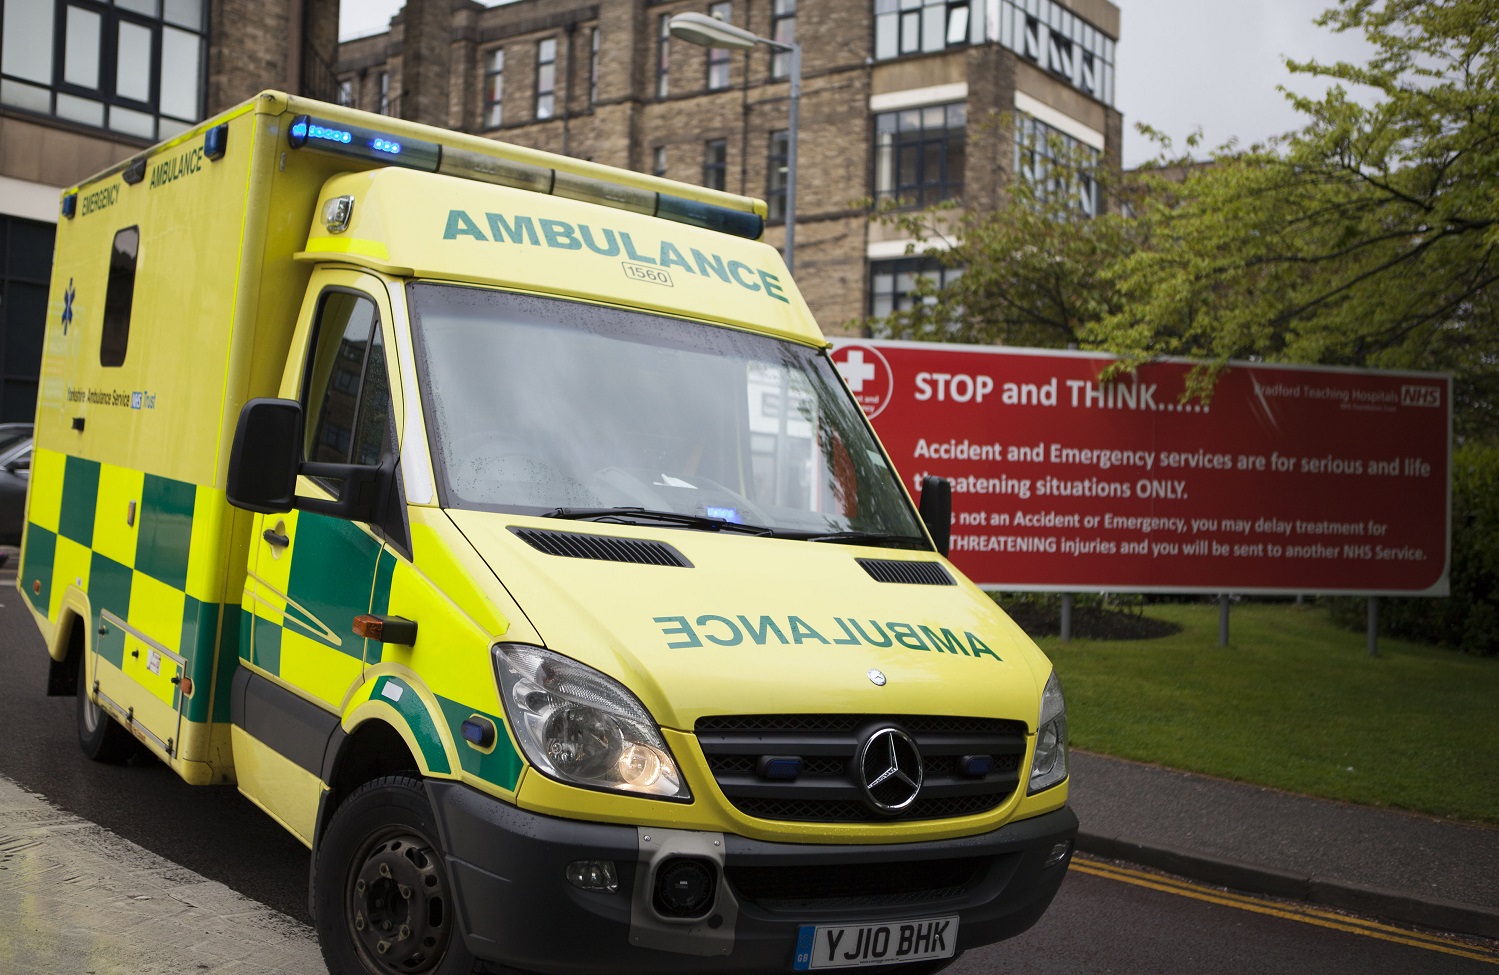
(1290, 479)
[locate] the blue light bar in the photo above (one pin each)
(385, 148)
(748, 225)
(70, 205)
(362, 143)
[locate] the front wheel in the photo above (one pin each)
(383, 903)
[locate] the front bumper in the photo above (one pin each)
(509, 868)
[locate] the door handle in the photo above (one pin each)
(275, 538)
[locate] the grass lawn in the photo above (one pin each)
(1295, 703)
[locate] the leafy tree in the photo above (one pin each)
(1367, 238)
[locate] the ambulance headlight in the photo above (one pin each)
(579, 726)
(1049, 766)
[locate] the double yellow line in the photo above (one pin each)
(1300, 913)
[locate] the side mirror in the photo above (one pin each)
(266, 458)
(936, 510)
(263, 460)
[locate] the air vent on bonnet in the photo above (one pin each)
(576, 545)
(910, 573)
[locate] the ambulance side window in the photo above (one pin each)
(119, 297)
(347, 390)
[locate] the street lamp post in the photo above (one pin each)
(705, 31)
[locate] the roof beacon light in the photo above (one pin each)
(468, 164)
(216, 141)
(307, 132)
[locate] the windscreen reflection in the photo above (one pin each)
(536, 404)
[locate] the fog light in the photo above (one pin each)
(593, 875)
(685, 887)
(1058, 854)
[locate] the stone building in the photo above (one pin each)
(86, 83)
(900, 100)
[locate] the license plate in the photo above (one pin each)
(884, 943)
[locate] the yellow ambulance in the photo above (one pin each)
(499, 524)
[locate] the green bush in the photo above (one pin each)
(1468, 620)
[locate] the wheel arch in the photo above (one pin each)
(370, 750)
(69, 639)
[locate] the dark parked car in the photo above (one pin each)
(15, 473)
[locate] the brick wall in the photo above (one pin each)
(258, 44)
(426, 57)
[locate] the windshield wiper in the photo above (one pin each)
(631, 515)
(859, 538)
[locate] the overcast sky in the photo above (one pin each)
(1182, 64)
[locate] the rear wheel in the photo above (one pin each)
(100, 736)
(383, 903)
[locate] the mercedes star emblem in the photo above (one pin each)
(877, 678)
(890, 770)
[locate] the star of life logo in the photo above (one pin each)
(868, 375)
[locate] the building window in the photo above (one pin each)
(1057, 166)
(663, 54)
(384, 102)
(658, 161)
(1059, 59)
(904, 27)
(775, 175)
(546, 78)
(1058, 40)
(346, 92)
(919, 154)
(718, 57)
(131, 67)
(593, 69)
(893, 285)
(494, 88)
(783, 29)
(716, 163)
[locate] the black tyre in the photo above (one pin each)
(382, 901)
(100, 736)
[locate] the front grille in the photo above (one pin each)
(856, 884)
(604, 548)
(828, 789)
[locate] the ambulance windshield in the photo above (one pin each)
(548, 406)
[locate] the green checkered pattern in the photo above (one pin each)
(163, 551)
